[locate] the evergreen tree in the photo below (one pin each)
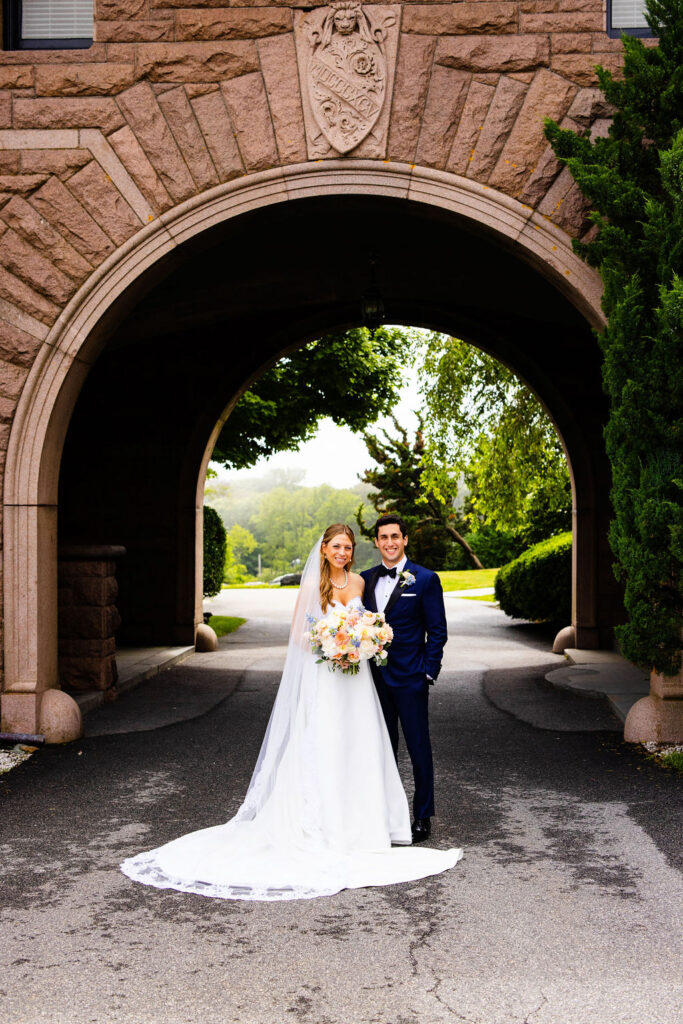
(430, 519)
(634, 179)
(214, 551)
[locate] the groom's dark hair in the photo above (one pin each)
(387, 521)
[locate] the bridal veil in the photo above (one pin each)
(325, 802)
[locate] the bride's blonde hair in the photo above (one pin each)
(326, 588)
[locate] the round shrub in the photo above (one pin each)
(538, 584)
(214, 551)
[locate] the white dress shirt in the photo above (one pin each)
(386, 584)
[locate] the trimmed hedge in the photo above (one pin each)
(538, 584)
(214, 551)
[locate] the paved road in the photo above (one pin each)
(565, 909)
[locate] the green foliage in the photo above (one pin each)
(280, 520)
(214, 551)
(485, 425)
(430, 517)
(237, 500)
(538, 584)
(351, 376)
(241, 544)
(288, 523)
(494, 546)
(620, 174)
(673, 760)
(634, 179)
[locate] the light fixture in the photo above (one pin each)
(372, 304)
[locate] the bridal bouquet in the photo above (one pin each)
(346, 636)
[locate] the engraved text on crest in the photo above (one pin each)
(348, 72)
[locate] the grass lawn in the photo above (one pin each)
(479, 597)
(224, 624)
(467, 579)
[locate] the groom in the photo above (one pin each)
(412, 601)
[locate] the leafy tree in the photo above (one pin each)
(430, 518)
(487, 426)
(288, 523)
(351, 376)
(634, 180)
(214, 551)
(240, 561)
(237, 500)
(494, 547)
(282, 517)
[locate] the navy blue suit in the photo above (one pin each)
(417, 616)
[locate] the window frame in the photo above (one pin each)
(12, 38)
(616, 33)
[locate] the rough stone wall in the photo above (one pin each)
(177, 96)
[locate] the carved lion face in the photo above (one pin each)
(345, 19)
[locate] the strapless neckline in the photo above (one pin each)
(340, 604)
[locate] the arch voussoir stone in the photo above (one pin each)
(44, 409)
(471, 86)
(178, 119)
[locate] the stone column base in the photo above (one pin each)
(205, 638)
(652, 719)
(565, 638)
(53, 713)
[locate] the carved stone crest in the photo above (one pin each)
(347, 54)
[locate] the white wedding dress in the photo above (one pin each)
(320, 815)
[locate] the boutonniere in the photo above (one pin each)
(406, 578)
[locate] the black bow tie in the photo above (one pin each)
(387, 572)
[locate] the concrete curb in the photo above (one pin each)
(135, 665)
(602, 674)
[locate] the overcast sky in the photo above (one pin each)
(335, 456)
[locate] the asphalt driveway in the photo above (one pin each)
(564, 910)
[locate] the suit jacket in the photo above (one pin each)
(417, 616)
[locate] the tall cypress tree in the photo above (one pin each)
(634, 181)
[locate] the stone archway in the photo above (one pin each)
(82, 332)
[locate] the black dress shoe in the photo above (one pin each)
(421, 829)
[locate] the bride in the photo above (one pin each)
(325, 809)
